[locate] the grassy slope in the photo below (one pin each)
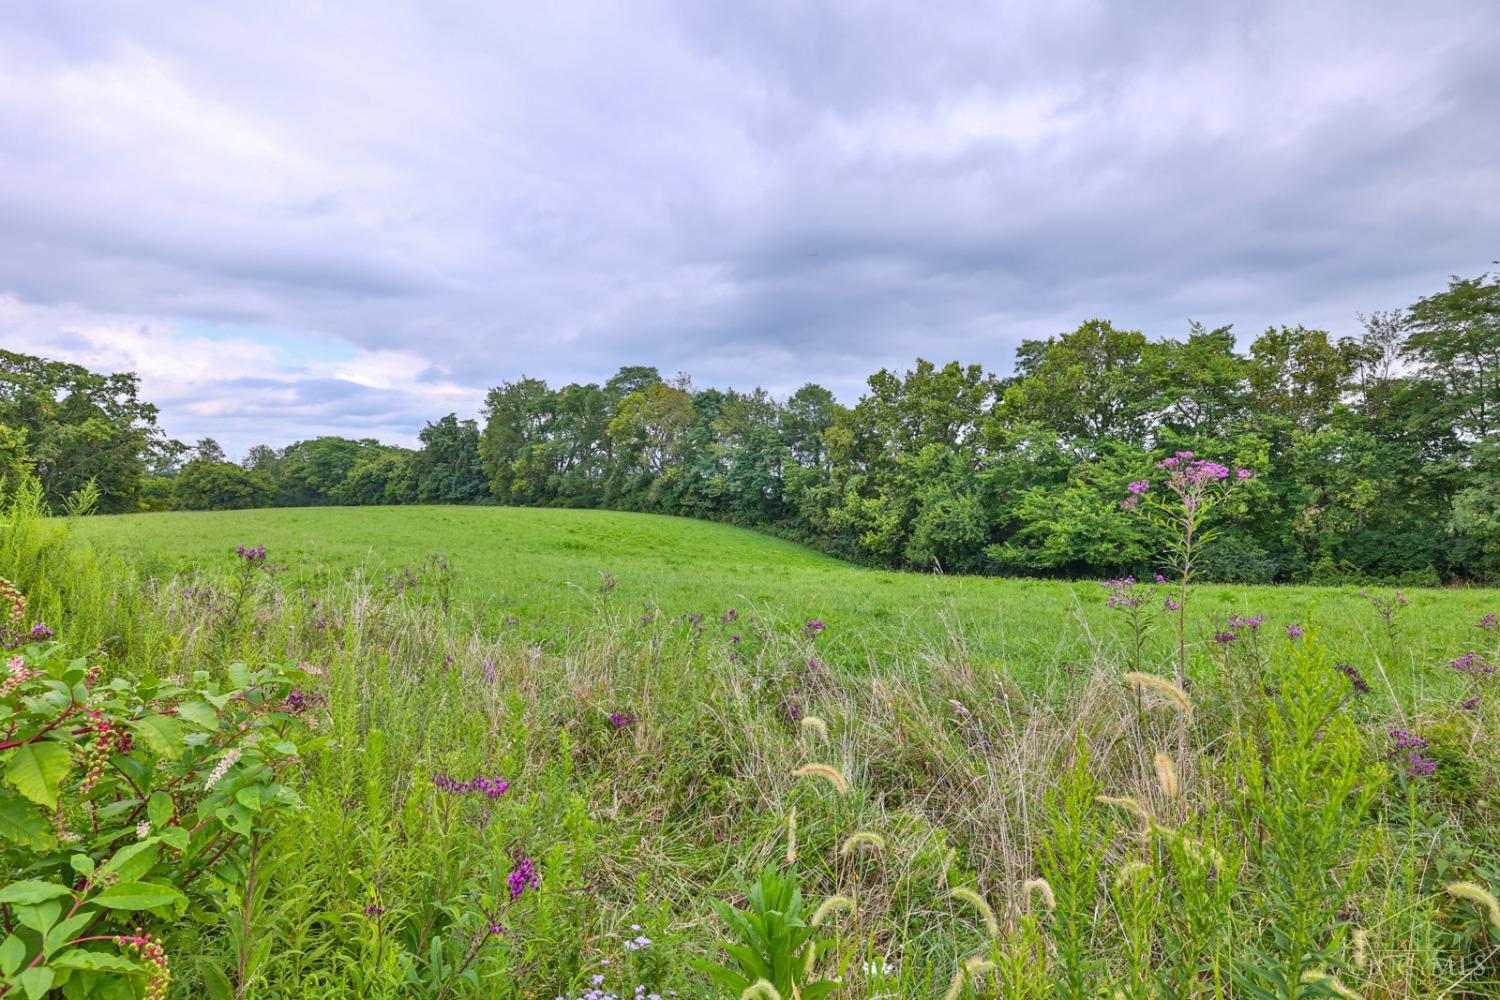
(542, 568)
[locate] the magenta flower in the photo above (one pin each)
(522, 876)
(1472, 664)
(621, 719)
(1293, 630)
(1139, 486)
(813, 629)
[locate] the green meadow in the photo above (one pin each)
(538, 575)
(444, 752)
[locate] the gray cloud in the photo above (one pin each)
(390, 207)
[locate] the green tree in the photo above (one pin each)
(1455, 340)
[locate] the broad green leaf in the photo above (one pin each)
(217, 983)
(25, 824)
(94, 961)
(32, 892)
(82, 864)
(162, 733)
(37, 770)
(36, 982)
(124, 865)
(12, 952)
(138, 896)
(159, 810)
(200, 714)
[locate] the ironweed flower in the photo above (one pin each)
(1488, 622)
(621, 719)
(1294, 631)
(1472, 664)
(813, 629)
(1355, 678)
(256, 554)
(522, 876)
(491, 788)
(1469, 704)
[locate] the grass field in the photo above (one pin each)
(1256, 833)
(537, 574)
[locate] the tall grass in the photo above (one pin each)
(650, 764)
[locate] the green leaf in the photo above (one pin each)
(36, 982)
(138, 896)
(24, 823)
(217, 983)
(200, 714)
(159, 810)
(82, 864)
(95, 961)
(162, 733)
(32, 892)
(131, 861)
(37, 770)
(12, 953)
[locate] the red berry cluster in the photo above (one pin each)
(9, 595)
(98, 753)
(159, 979)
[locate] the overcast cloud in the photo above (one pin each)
(295, 219)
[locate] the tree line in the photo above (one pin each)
(1376, 456)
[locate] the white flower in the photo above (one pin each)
(221, 768)
(143, 829)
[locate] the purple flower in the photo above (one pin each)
(1293, 630)
(491, 788)
(813, 629)
(1171, 605)
(1405, 739)
(729, 615)
(1243, 474)
(1418, 766)
(1238, 622)
(374, 910)
(1472, 664)
(40, 633)
(252, 555)
(1139, 486)
(1488, 622)
(1160, 578)
(1356, 679)
(1469, 704)
(522, 876)
(621, 719)
(1225, 638)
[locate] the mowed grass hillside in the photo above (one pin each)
(540, 575)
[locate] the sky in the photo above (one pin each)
(296, 219)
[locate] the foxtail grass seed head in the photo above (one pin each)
(1161, 686)
(1480, 897)
(977, 966)
(832, 775)
(1130, 871)
(828, 906)
(974, 899)
(1128, 804)
(1166, 774)
(760, 990)
(1360, 948)
(816, 726)
(791, 837)
(1330, 984)
(956, 985)
(866, 839)
(1041, 888)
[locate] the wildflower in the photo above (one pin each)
(491, 788)
(1139, 486)
(1488, 622)
(1171, 605)
(1472, 664)
(637, 943)
(813, 629)
(221, 768)
(1355, 678)
(143, 829)
(729, 615)
(374, 910)
(832, 775)
(1469, 704)
(1243, 474)
(1225, 638)
(1405, 739)
(621, 719)
(1418, 766)
(40, 633)
(607, 582)
(522, 876)
(254, 555)
(1293, 630)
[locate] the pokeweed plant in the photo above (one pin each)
(126, 803)
(772, 943)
